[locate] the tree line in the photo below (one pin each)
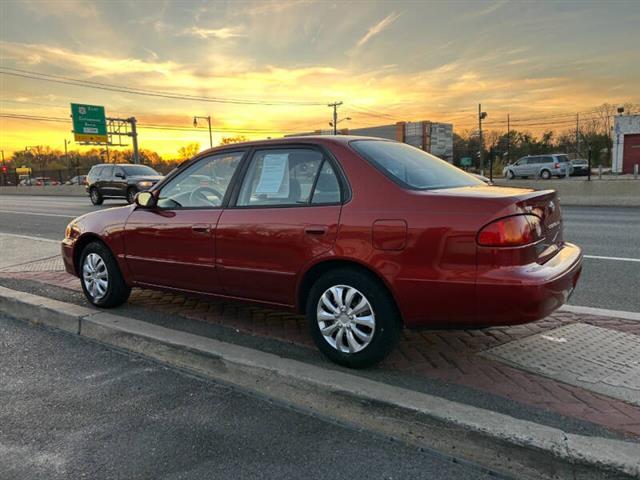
(45, 160)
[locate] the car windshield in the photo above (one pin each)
(139, 170)
(579, 162)
(411, 167)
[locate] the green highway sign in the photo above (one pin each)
(465, 162)
(89, 123)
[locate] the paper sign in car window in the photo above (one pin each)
(274, 177)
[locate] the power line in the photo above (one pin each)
(151, 93)
(147, 126)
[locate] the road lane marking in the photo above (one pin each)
(40, 214)
(602, 312)
(618, 259)
(28, 237)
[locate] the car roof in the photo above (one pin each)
(310, 139)
(118, 165)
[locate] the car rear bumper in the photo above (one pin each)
(500, 295)
(512, 295)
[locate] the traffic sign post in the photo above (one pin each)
(89, 123)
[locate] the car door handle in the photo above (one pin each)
(201, 229)
(315, 230)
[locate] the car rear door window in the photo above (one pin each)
(106, 173)
(284, 177)
(327, 189)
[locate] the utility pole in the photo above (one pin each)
(481, 116)
(208, 119)
(66, 155)
(508, 138)
(335, 106)
(3, 174)
(134, 137)
(577, 135)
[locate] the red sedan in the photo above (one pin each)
(365, 236)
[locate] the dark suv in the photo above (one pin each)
(119, 181)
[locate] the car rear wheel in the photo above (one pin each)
(102, 282)
(545, 174)
(95, 196)
(352, 317)
(131, 194)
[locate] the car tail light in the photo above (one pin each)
(557, 165)
(513, 231)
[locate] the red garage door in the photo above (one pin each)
(631, 153)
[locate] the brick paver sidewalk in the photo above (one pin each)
(453, 356)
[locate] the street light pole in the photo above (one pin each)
(508, 138)
(331, 124)
(481, 116)
(208, 119)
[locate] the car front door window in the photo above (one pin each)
(202, 185)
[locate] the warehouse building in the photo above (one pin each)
(626, 143)
(432, 137)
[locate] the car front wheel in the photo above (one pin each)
(510, 175)
(102, 282)
(95, 196)
(352, 317)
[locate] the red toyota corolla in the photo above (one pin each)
(366, 236)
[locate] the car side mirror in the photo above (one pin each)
(145, 199)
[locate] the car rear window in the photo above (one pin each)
(411, 167)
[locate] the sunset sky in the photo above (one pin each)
(387, 61)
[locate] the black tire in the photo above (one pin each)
(117, 291)
(387, 328)
(510, 175)
(545, 174)
(131, 194)
(95, 196)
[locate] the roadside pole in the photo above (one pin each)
(481, 116)
(491, 164)
(134, 137)
(589, 166)
(335, 106)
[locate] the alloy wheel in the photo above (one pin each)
(346, 319)
(95, 276)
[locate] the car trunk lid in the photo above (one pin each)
(499, 202)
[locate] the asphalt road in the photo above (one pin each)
(600, 231)
(75, 409)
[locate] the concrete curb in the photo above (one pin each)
(525, 448)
